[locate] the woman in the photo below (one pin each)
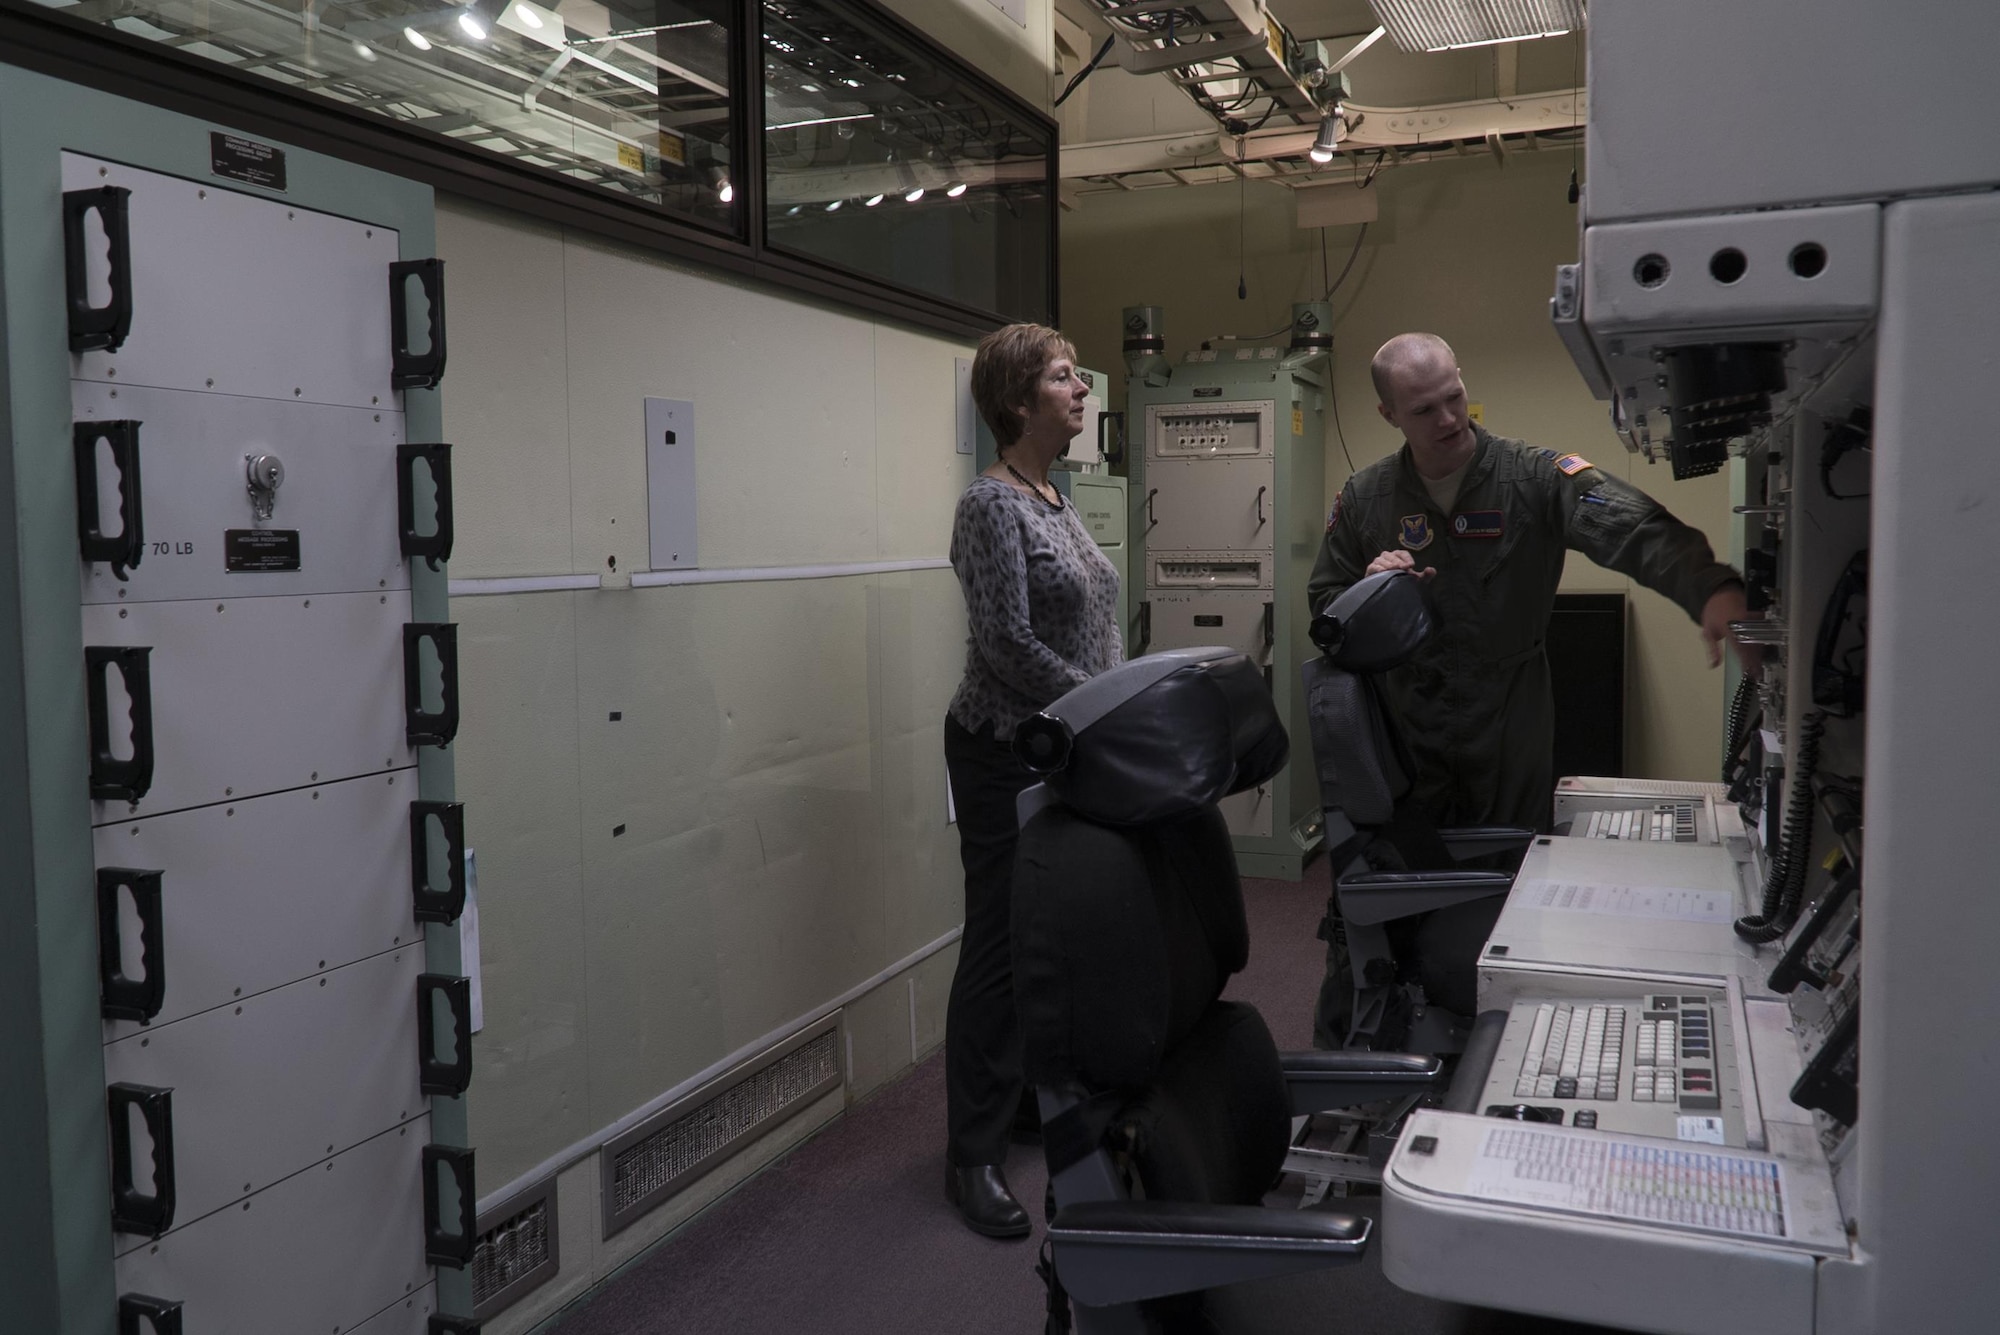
(1042, 605)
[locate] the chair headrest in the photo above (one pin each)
(1375, 624)
(1157, 736)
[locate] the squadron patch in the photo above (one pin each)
(1572, 464)
(1333, 515)
(1478, 524)
(1417, 533)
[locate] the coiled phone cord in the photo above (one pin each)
(1785, 881)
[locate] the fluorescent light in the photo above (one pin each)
(1448, 25)
(956, 190)
(821, 120)
(527, 16)
(914, 195)
(416, 39)
(472, 27)
(871, 201)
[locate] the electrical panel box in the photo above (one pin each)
(1227, 482)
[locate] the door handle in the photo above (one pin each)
(1150, 519)
(122, 997)
(110, 777)
(1260, 506)
(98, 327)
(123, 548)
(150, 1213)
(416, 370)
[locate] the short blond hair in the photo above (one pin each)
(1006, 370)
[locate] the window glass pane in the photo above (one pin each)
(882, 159)
(630, 96)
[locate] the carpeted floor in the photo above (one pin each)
(851, 1233)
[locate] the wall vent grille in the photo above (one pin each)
(517, 1250)
(670, 1150)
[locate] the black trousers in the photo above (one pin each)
(982, 1037)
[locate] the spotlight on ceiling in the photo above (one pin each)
(416, 39)
(1328, 142)
(914, 195)
(469, 24)
(365, 51)
(527, 16)
(871, 201)
(834, 207)
(957, 189)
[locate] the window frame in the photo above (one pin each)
(98, 56)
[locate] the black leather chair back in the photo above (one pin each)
(1129, 920)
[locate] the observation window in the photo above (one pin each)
(883, 159)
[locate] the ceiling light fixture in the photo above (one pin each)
(416, 39)
(1448, 25)
(914, 195)
(956, 190)
(871, 201)
(528, 16)
(469, 23)
(1328, 143)
(365, 51)
(834, 207)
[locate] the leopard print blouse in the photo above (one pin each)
(1041, 602)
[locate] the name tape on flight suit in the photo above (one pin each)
(1478, 524)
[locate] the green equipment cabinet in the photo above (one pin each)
(1227, 483)
(237, 1036)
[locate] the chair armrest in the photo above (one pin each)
(1110, 1252)
(1476, 841)
(1318, 1081)
(1370, 897)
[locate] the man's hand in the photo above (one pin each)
(1725, 605)
(1398, 560)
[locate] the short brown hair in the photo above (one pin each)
(1006, 371)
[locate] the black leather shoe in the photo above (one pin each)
(981, 1195)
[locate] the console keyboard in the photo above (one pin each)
(1668, 822)
(1574, 1052)
(1633, 1180)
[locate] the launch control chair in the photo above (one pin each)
(1166, 1111)
(1407, 918)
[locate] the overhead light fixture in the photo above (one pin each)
(528, 16)
(727, 194)
(469, 24)
(416, 39)
(365, 51)
(834, 207)
(719, 178)
(956, 190)
(871, 201)
(1447, 25)
(1328, 143)
(914, 195)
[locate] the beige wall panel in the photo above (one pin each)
(878, 1037)
(656, 1013)
(933, 990)
(920, 471)
(743, 773)
(1466, 249)
(918, 624)
(784, 401)
(517, 775)
(506, 410)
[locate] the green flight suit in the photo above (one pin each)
(1474, 705)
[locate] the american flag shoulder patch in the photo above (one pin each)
(1572, 464)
